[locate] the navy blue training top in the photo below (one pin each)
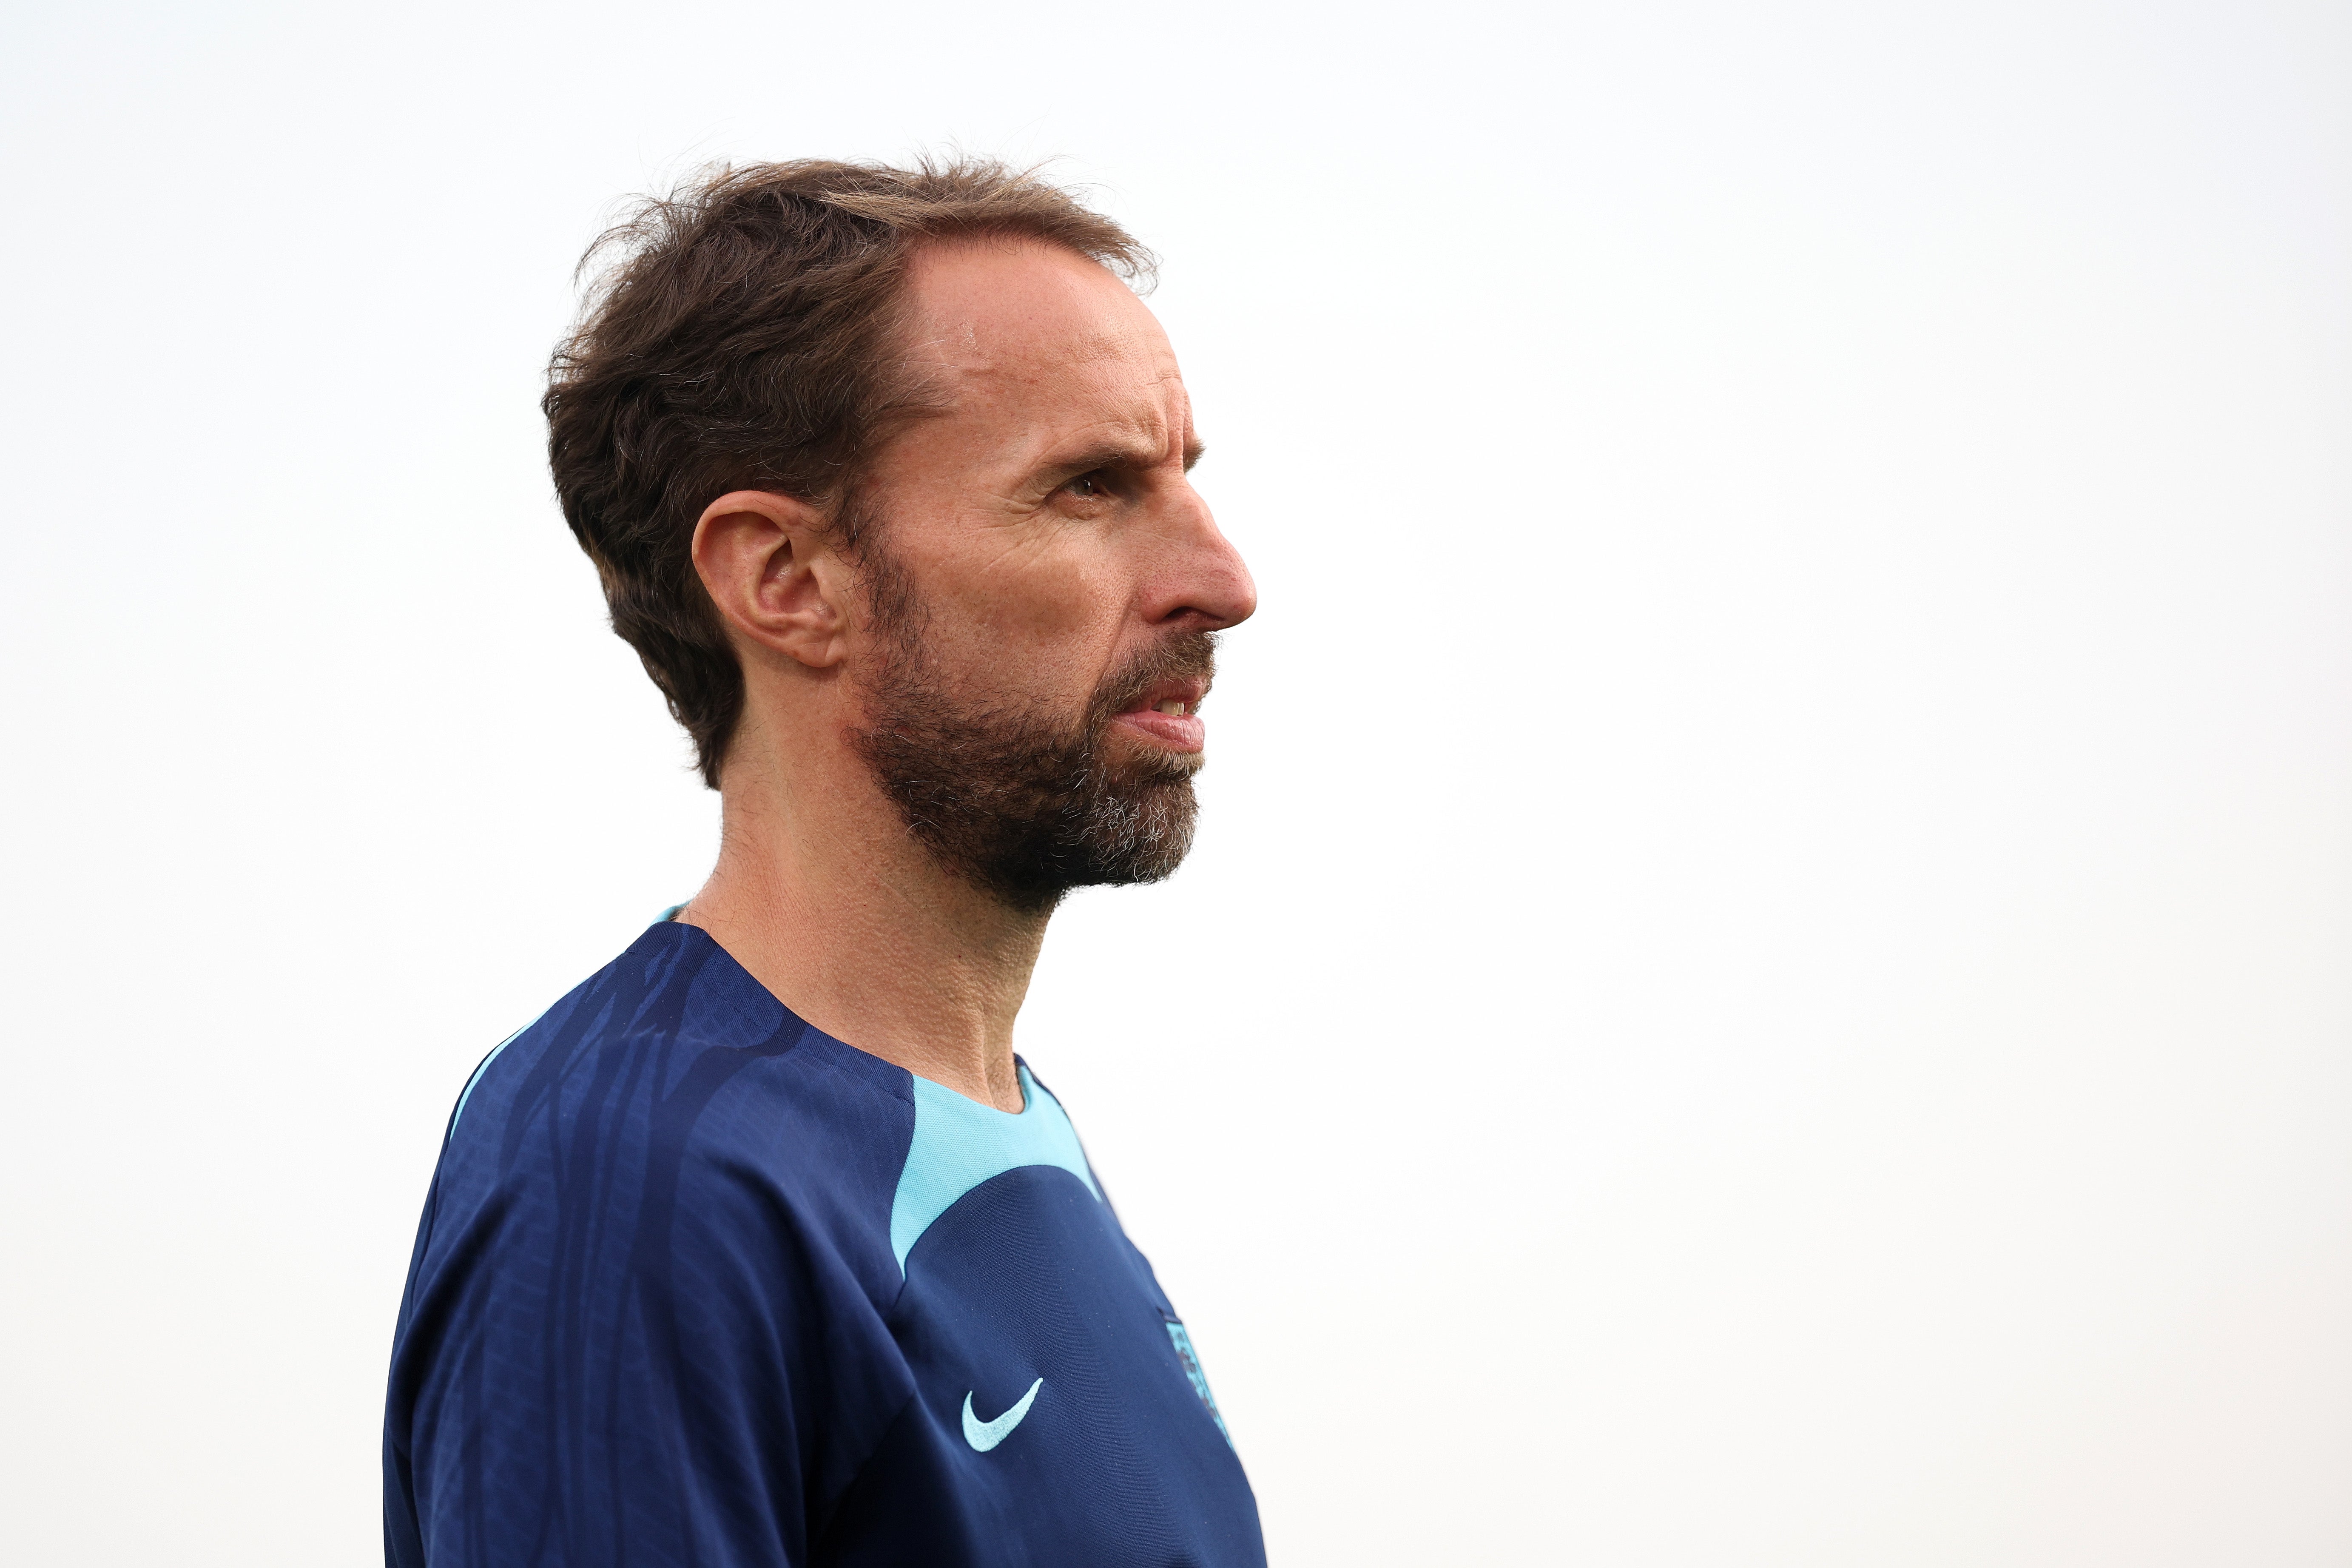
(697, 1283)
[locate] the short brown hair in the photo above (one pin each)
(746, 339)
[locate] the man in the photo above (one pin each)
(762, 1247)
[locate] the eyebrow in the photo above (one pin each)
(1123, 455)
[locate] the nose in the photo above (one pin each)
(1203, 584)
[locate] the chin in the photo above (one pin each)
(1123, 836)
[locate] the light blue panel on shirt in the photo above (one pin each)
(960, 1144)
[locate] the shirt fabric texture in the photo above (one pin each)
(698, 1284)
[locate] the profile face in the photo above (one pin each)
(1046, 581)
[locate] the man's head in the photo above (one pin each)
(894, 462)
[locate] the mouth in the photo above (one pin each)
(1168, 714)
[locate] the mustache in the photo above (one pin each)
(1186, 655)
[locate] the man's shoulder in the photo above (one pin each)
(658, 1210)
(669, 1069)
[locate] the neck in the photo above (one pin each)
(822, 895)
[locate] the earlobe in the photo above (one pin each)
(770, 568)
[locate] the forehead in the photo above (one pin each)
(1001, 321)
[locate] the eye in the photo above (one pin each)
(1088, 486)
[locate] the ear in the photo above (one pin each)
(766, 561)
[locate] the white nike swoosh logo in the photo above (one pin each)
(986, 1435)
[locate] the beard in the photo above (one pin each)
(1022, 803)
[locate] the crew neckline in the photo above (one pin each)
(1027, 1082)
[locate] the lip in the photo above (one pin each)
(1177, 732)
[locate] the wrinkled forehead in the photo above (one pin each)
(1006, 318)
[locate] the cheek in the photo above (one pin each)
(1045, 626)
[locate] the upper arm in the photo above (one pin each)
(612, 1358)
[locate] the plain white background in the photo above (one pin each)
(1765, 976)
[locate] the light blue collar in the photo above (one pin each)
(959, 1143)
